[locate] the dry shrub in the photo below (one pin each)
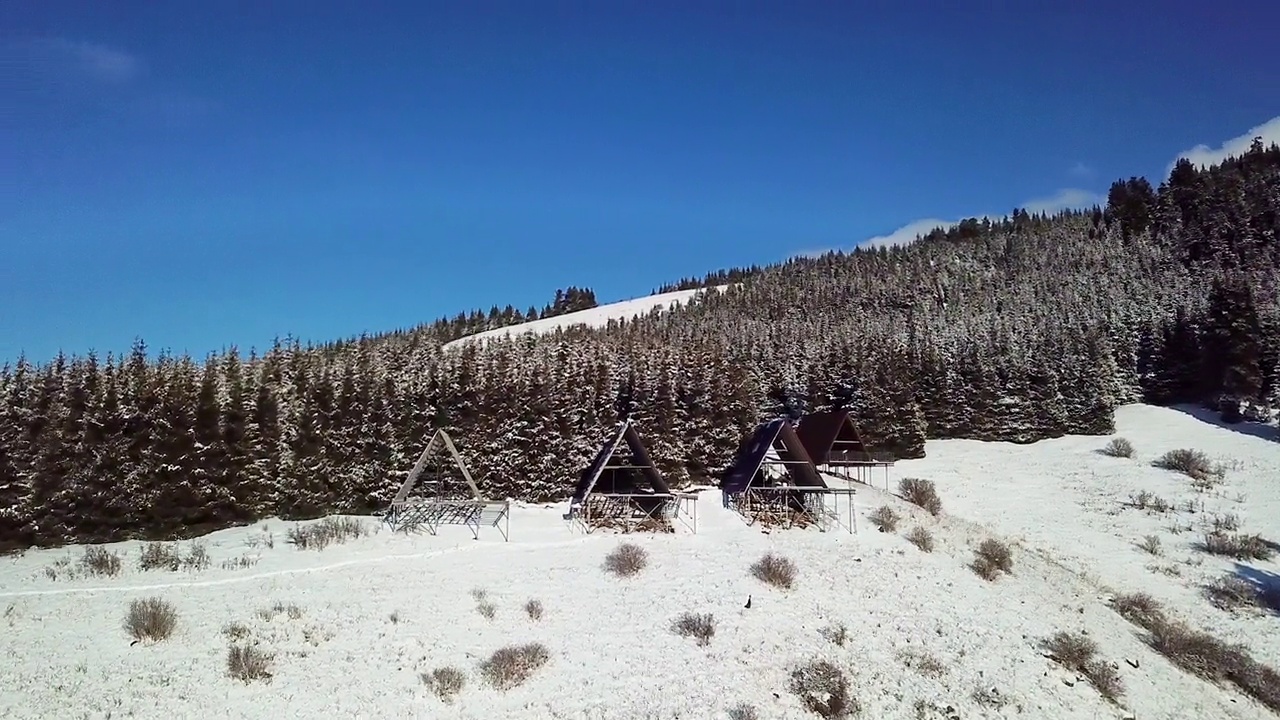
(1076, 652)
(1151, 544)
(991, 558)
(236, 631)
(921, 538)
(922, 662)
(702, 627)
(823, 688)
(513, 665)
(1199, 653)
(329, 531)
(151, 619)
(1231, 592)
(533, 609)
(626, 560)
(836, 633)
(239, 563)
(775, 570)
(100, 561)
(197, 558)
(1119, 448)
(989, 697)
(269, 613)
(445, 682)
(884, 518)
(248, 663)
(487, 610)
(1239, 546)
(1148, 501)
(159, 556)
(1192, 463)
(922, 493)
(1230, 522)
(743, 711)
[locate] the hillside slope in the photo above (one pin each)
(373, 614)
(596, 317)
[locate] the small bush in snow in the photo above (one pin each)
(1238, 546)
(1148, 501)
(1192, 463)
(100, 561)
(885, 518)
(991, 558)
(922, 662)
(836, 633)
(151, 619)
(921, 538)
(1151, 544)
(1138, 608)
(197, 558)
(1076, 652)
(236, 631)
(445, 682)
(239, 563)
(988, 697)
(775, 570)
(533, 609)
(922, 493)
(1119, 447)
(1231, 592)
(513, 665)
(743, 711)
(702, 627)
(329, 531)
(487, 610)
(823, 688)
(248, 663)
(626, 560)
(159, 556)
(1230, 522)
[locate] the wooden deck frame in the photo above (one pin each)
(638, 512)
(777, 506)
(409, 514)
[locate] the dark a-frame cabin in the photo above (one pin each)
(774, 481)
(622, 488)
(833, 442)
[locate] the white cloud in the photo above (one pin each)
(1064, 199)
(1203, 155)
(1081, 170)
(1061, 200)
(60, 59)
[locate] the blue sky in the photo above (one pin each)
(203, 174)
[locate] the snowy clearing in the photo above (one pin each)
(596, 317)
(348, 630)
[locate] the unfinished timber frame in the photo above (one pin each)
(622, 489)
(836, 447)
(773, 482)
(440, 504)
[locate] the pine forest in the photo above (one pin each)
(1016, 329)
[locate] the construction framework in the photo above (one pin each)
(622, 490)
(836, 447)
(441, 506)
(774, 482)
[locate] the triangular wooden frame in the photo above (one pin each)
(439, 439)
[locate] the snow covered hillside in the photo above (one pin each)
(349, 630)
(595, 317)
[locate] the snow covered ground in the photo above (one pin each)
(372, 614)
(595, 317)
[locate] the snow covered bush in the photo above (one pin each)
(1119, 448)
(1192, 463)
(823, 688)
(1076, 652)
(331, 530)
(775, 570)
(1231, 592)
(533, 609)
(991, 558)
(100, 561)
(1239, 546)
(1150, 544)
(513, 665)
(700, 626)
(626, 560)
(921, 538)
(159, 556)
(151, 619)
(743, 711)
(885, 518)
(248, 663)
(922, 493)
(445, 682)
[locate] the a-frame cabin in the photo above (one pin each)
(429, 497)
(773, 480)
(622, 488)
(836, 446)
